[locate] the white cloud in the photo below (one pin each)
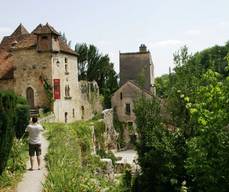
(168, 43)
(193, 32)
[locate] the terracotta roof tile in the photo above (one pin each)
(6, 65)
(21, 30)
(45, 29)
(25, 41)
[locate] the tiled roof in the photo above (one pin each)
(6, 65)
(45, 29)
(65, 48)
(22, 39)
(21, 30)
(25, 41)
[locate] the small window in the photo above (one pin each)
(55, 38)
(121, 96)
(65, 59)
(128, 108)
(82, 112)
(44, 37)
(73, 113)
(67, 91)
(66, 69)
(66, 117)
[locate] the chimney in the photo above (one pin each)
(142, 48)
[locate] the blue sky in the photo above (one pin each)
(122, 25)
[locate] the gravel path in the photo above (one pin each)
(32, 180)
(128, 156)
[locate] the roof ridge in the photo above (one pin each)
(20, 30)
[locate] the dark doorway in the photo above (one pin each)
(30, 96)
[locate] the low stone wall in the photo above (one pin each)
(48, 119)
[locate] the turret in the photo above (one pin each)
(47, 38)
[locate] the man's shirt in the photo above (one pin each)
(34, 131)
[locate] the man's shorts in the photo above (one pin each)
(34, 148)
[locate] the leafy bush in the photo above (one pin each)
(155, 147)
(7, 126)
(22, 113)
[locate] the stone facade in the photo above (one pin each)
(39, 64)
(123, 101)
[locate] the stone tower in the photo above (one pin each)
(137, 67)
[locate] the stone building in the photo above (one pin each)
(136, 80)
(123, 101)
(41, 67)
(138, 67)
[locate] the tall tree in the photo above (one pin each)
(92, 65)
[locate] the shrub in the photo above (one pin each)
(7, 125)
(22, 113)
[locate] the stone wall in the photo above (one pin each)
(30, 65)
(90, 103)
(67, 108)
(7, 85)
(110, 134)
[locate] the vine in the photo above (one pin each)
(48, 90)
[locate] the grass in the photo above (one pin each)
(16, 166)
(71, 165)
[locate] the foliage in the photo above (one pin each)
(162, 85)
(92, 65)
(208, 152)
(22, 113)
(49, 91)
(15, 165)
(155, 147)
(119, 127)
(99, 129)
(196, 96)
(72, 167)
(7, 126)
(13, 119)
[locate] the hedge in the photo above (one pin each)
(14, 117)
(7, 125)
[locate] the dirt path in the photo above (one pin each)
(32, 180)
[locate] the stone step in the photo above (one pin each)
(34, 112)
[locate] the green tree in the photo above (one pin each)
(155, 148)
(92, 65)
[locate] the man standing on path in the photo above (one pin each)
(34, 129)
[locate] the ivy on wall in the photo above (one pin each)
(48, 90)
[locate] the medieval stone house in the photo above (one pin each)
(41, 67)
(136, 79)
